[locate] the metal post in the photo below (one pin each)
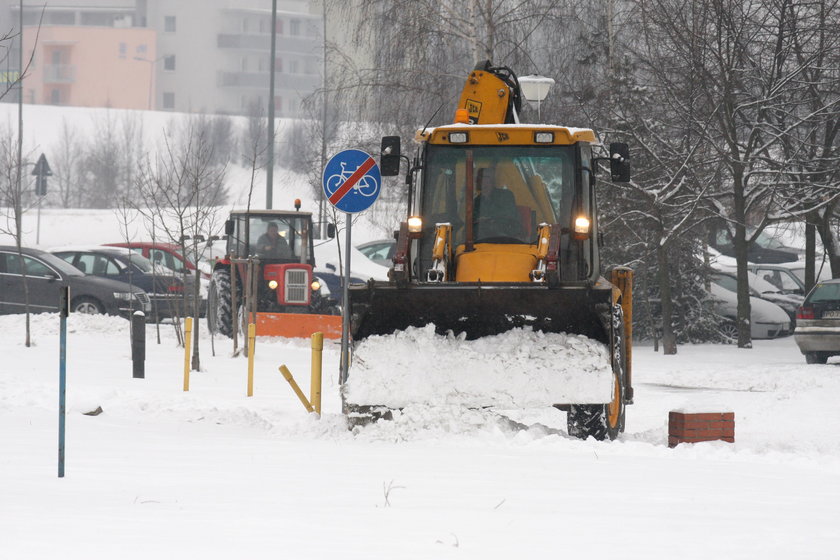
(252, 328)
(345, 307)
(138, 344)
(64, 308)
(315, 381)
(269, 172)
(322, 201)
(187, 340)
(234, 307)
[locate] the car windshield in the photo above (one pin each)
(60, 265)
(825, 292)
(141, 262)
(280, 237)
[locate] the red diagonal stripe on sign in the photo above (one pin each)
(352, 180)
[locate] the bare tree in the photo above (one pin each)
(182, 188)
(739, 53)
(68, 166)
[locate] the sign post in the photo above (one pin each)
(63, 311)
(351, 183)
(41, 172)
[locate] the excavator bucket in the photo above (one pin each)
(477, 345)
(478, 310)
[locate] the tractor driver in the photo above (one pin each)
(273, 245)
(494, 211)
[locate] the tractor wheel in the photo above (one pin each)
(219, 318)
(604, 421)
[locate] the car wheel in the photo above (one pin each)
(88, 306)
(728, 332)
(816, 358)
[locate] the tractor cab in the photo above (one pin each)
(276, 237)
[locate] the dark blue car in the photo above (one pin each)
(165, 290)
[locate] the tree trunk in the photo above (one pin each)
(196, 313)
(810, 255)
(669, 339)
(829, 240)
(740, 243)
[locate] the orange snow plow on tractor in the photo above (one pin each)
(269, 262)
(501, 241)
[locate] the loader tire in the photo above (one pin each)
(219, 316)
(604, 421)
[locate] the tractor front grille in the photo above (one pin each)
(297, 286)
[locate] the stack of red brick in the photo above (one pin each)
(685, 427)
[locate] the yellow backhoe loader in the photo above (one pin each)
(501, 236)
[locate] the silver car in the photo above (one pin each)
(818, 323)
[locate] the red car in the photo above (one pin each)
(166, 254)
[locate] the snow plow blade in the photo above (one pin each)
(479, 310)
(477, 346)
(298, 325)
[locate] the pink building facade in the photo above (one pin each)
(91, 66)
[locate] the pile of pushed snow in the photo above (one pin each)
(518, 369)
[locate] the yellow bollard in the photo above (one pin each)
(315, 382)
(288, 375)
(187, 340)
(252, 330)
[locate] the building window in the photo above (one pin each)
(293, 67)
(278, 64)
(168, 100)
(55, 96)
(264, 26)
(123, 50)
(169, 63)
(294, 27)
(278, 104)
(169, 24)
(278, 27)
(244, 64)
(244, 25)
(263, 64)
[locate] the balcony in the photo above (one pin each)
(59, 74)
(243, 79)
(248, 42)
(259, 80)
(299, 43)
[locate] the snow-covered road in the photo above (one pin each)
(214, 474)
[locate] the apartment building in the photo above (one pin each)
(208, 56)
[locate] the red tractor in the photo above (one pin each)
(288, 297)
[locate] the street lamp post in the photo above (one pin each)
(151, 74)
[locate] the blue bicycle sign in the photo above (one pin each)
(351, 181)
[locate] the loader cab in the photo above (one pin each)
(515, 188)
(278, 237)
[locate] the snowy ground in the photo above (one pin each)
(211, 473)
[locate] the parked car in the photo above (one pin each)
(818, 323)
(165, 290)
(765, 249)
(789, 277)
(759, 288)
(46, 274)
(767, 320)
(380, 251)
(166, 254)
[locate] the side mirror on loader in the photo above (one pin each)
(389, 156)
(619, 162)
(330, 231)
(229, 227)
